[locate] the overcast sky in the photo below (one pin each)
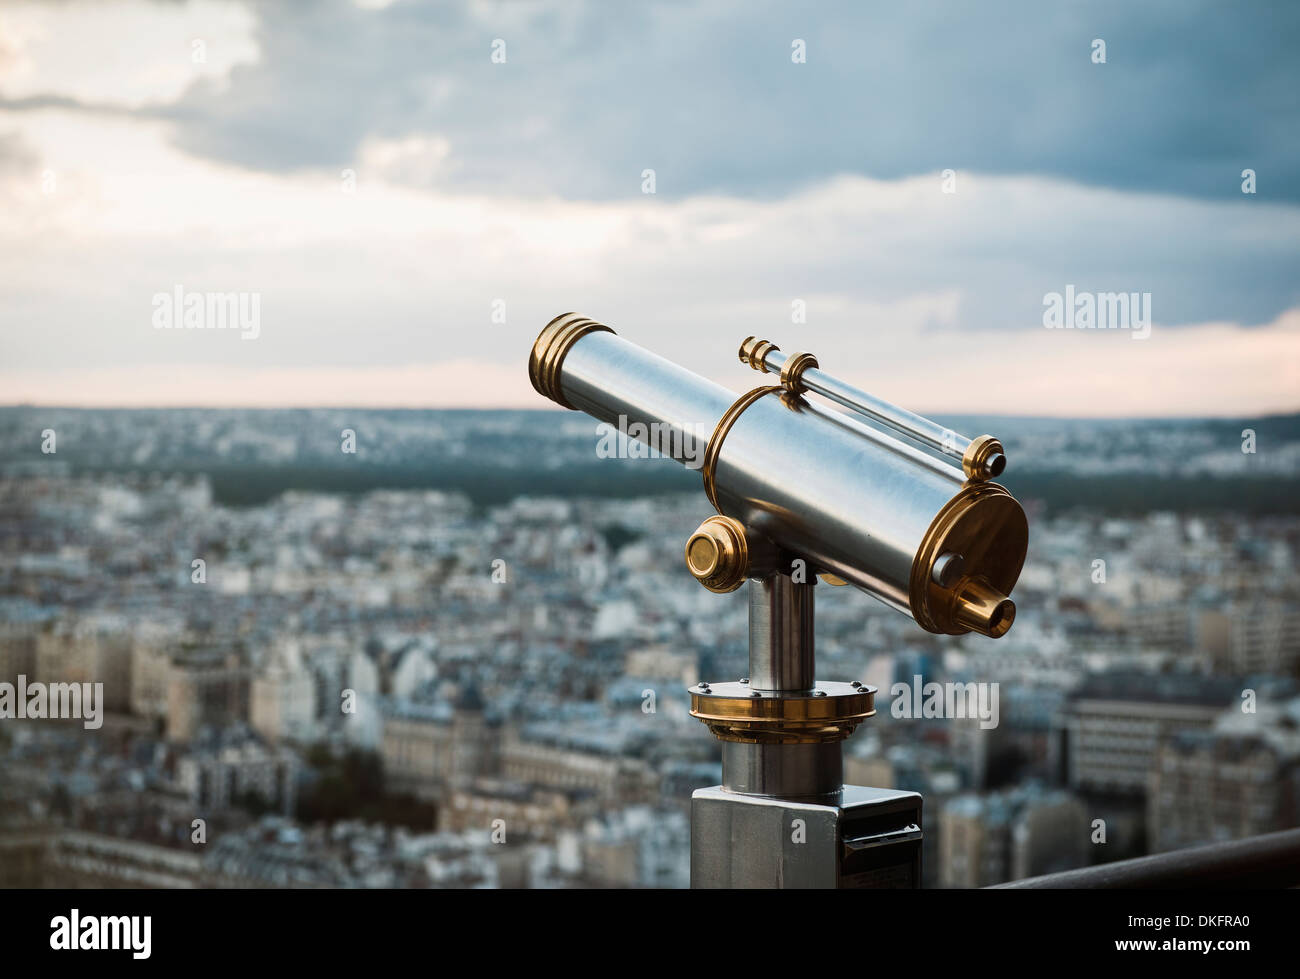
(383, 178)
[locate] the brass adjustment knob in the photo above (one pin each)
(718, 554)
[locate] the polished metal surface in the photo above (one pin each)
(791, 480)
(736, 711)
(781, 647)
(616, 381)
(756, 842)
(983, 458)
(717, 554)
(868, 838)
(787, 771)
(908, 423)
(947, 569)
(853, 501)
(985, 609)
(546, 363)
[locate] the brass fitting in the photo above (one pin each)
(714, 449)
(792, 371)
(753, 350)
(984, 458)
(968, 562)
(736, 712)
(982, 608)
(549, 349)
(717, 554)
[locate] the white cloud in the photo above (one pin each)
(934, 300)
(127, 54)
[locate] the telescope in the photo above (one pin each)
(803, 493)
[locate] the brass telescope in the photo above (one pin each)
(803, 491)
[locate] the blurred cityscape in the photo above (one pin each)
(457, 656)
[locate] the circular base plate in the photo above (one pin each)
(738, 712)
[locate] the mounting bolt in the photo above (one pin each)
(744, 679)
(756, 695)
(856, 683)
(819, 693)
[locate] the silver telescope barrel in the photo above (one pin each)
(851, 501)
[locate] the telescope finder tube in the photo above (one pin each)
(981, 457)
(854, 502)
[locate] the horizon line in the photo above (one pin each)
(547, 406)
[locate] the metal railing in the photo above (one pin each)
(1259, 862)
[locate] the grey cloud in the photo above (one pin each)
(1192, 93)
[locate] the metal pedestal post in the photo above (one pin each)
(782, 816)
